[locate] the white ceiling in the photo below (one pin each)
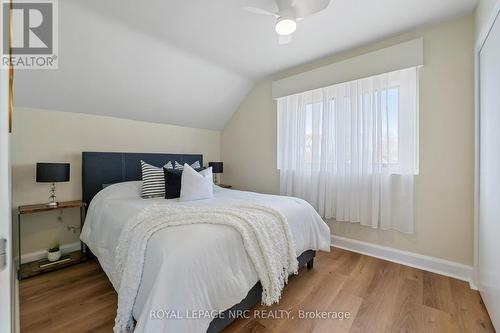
(191, 62)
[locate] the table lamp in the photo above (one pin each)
(217, 167)
(52, 173)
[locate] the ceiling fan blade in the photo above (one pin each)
(259, 11)
(265, 5)
(285, 39)
(305, 8)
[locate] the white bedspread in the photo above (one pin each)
(193, 270)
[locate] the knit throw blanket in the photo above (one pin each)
(265, 233)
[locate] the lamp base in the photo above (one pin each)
(52, 198)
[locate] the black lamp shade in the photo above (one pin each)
(52, 172)
(217, 167)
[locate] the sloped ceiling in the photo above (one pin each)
(191, 62)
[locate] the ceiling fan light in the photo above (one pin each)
(285, 26)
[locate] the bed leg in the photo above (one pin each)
(310, 264)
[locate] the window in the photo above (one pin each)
(347, 147)
(376, 115)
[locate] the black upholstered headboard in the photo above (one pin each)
(100, 169)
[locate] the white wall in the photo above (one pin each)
(444, 208)
(52, 136)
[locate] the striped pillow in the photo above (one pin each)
(153, 180)
(195, 165)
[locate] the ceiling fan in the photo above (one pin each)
(287, 13)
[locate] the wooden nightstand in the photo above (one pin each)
(43, 266)
(225, 185)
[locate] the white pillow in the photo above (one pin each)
(196, 185)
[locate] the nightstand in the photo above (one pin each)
(225, 185)
(43, 266)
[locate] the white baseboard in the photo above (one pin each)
(33, 256)
(426, 263)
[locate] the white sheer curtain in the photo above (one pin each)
(351, 150)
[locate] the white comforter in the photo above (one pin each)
(191, 271)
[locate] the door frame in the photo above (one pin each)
(481, 40)
(8, 284)
(7, 287)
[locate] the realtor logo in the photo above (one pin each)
(33, 43)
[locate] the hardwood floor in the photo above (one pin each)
(79, 298)
(379, 295)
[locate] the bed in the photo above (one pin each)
(200, 267)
